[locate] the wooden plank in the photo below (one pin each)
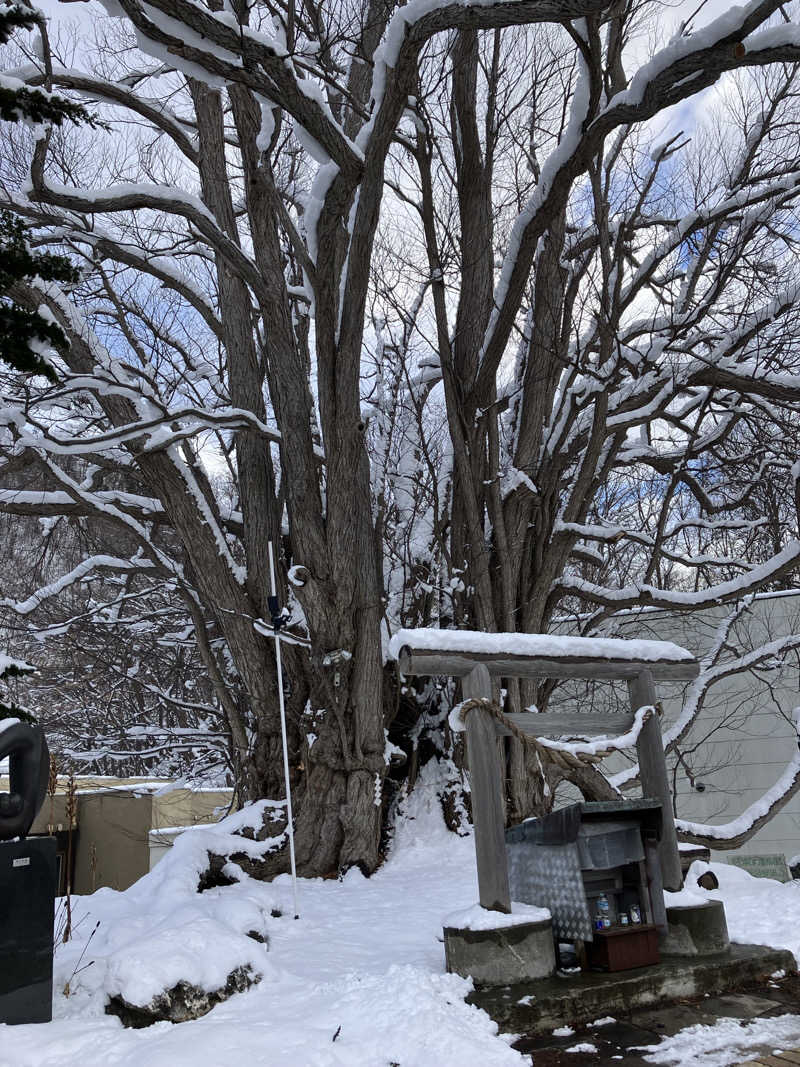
(644, 893)
(568, 724)
(788, 1057)
(458, 665)
(486, 786)
(654, 778)
(655, 885)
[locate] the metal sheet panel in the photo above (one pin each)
(614, 846)
(550, 877)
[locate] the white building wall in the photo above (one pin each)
(744, 737)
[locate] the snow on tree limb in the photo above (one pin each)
(134, 196)
(601, 746)
(783, 563)
(678, 71)
(82, 572)
(153, 110)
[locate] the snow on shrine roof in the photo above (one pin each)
(551, 646)
(536, 653)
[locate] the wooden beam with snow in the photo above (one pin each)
(568, 724)
(456, 652)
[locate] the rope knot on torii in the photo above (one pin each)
(564, 754)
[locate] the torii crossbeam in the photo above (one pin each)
(476, 658)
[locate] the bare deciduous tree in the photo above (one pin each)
(233, 229)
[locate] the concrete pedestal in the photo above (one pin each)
(696, 930)
(501, 956)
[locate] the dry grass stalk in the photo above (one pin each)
(52, 785)
(71, 813)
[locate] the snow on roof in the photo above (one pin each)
(167, 832)
(109, 783)
(544, 646)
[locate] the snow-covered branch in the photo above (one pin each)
(81, 573)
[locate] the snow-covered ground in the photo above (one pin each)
(357, 980)
(759, 911)
(729, 1042)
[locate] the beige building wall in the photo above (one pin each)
(188, 807)
(111, 839)
(744, 737)
(112, 845)
(114, 830)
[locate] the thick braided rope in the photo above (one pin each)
(561, 758)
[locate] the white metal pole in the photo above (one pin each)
(289, 816)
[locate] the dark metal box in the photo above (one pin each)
(27, 904)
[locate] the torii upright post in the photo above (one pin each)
(654, 779)
(486, 778)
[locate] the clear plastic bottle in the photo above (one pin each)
(604, 910)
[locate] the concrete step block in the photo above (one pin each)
(695, 930)
(577, 999)
(519, 953)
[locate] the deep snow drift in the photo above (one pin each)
(358, 980)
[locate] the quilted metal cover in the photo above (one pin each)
(550, 877)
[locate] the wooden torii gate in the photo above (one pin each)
(478, 658)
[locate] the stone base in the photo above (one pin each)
(537, 1007)
(696, 930)
(503, 955)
